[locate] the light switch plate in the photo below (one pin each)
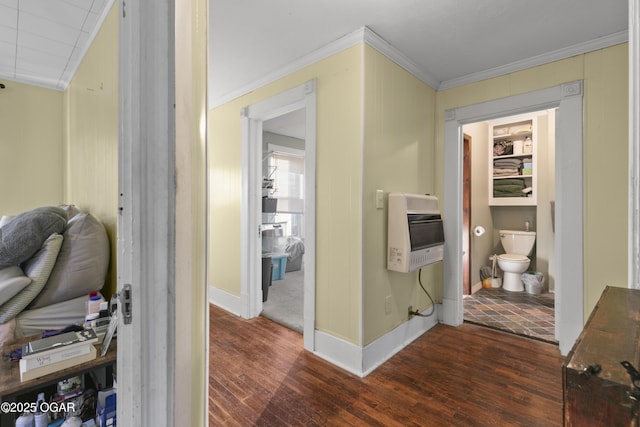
(379, 199)
(387, 304)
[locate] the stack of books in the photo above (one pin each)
(52, 354)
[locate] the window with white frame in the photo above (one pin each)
(288, 183)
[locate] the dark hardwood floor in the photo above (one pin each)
(260, 375)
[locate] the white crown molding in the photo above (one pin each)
(368, 36)
(76, 59)
(34, 81)
(324, 52)
(556, 55)
(363, 34)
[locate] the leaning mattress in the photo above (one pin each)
(54, 316)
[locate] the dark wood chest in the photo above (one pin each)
(611, 335)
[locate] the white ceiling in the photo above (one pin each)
(447, 42)
(43, 41)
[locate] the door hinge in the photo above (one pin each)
(125, 297)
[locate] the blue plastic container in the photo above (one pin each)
(279, 263)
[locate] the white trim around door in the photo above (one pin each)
(146, 258)
(567, 98)
(303, 96)
(634, 144)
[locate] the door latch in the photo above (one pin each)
(126, 304)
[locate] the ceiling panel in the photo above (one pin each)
(8, 17)
(34, 60)
(56, 11)
(48, 46)
(42, 42)
(82, 4)
(28, 23)
(8, 36)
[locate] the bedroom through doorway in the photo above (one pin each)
(283, 218)
(267, 221)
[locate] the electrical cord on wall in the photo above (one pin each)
(433, 305)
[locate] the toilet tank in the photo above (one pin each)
(517, 242)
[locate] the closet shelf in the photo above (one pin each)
(504, 190)
(513, 176)
(513, 156)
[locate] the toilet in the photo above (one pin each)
(518, 245)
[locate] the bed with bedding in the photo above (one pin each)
(50, 259)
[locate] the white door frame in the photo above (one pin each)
(303, 96)
(146, 176)
(158, 384)
(634, 145)
(569, 206)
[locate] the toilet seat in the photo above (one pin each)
(513, 258)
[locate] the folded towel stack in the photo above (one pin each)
(511, 187)
(507, 167)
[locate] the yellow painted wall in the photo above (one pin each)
(31, 147)
(403, 132)
(91, 120)
(605, 76)
(191, 297)
(399, 114)
(338, 190)
(606, 172)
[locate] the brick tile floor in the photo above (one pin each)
(516, 312)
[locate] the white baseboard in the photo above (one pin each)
(338, 352)
(475, 288)
(382, 349)
(452, 311)
(362, 361)
(225, 300)
(348, 356)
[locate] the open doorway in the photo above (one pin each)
(274, 232)
(511, 196)
(283, 219)
(567, 98)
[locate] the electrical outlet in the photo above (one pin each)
(387, 304)
(410, 312)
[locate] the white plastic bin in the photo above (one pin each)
(533, 282)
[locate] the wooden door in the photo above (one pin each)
(466, 215)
